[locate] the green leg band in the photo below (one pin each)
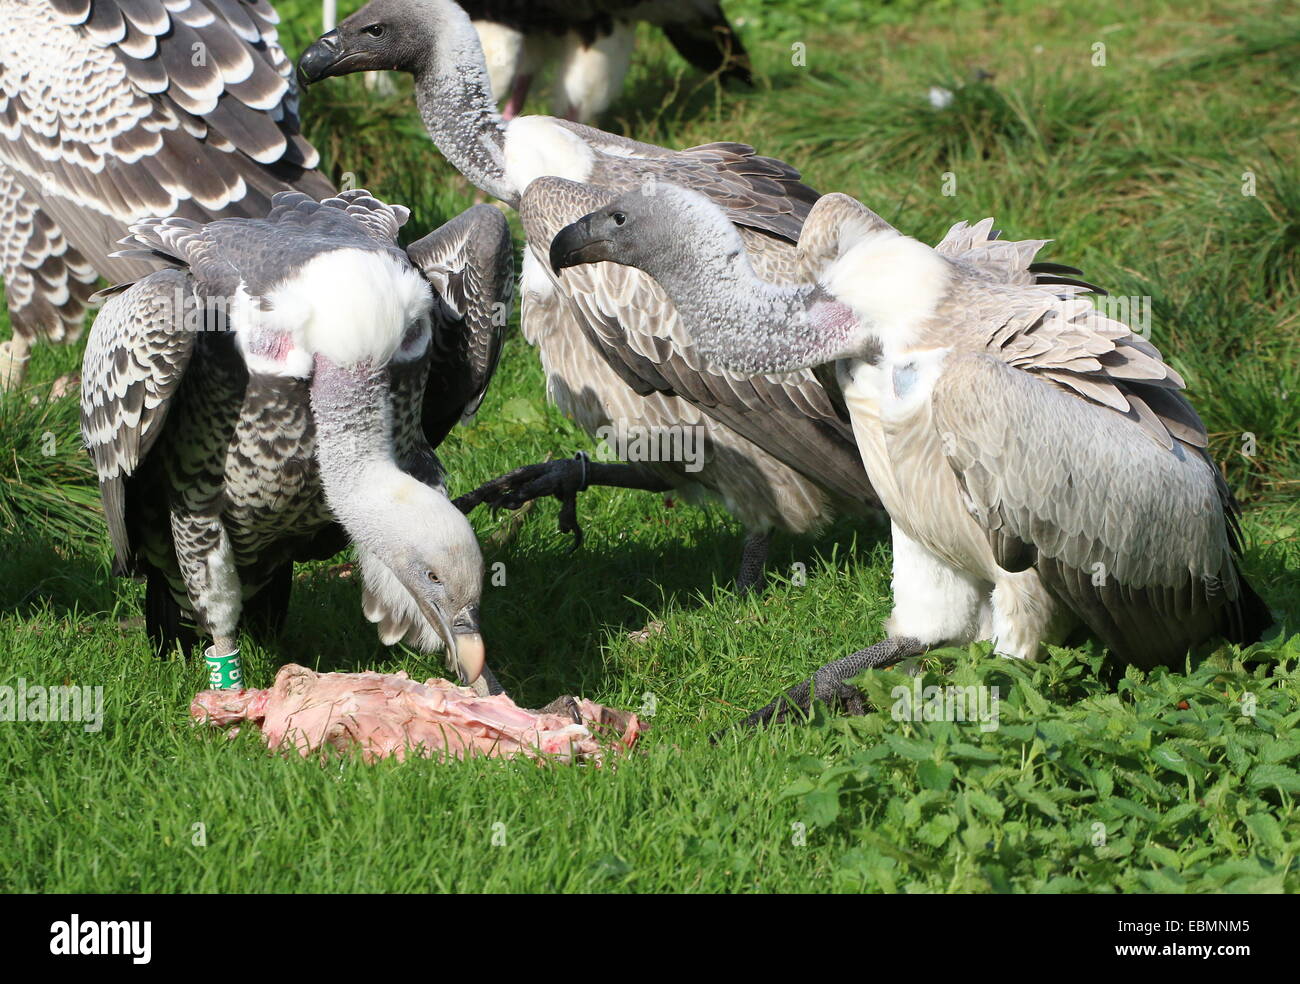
(224, 672)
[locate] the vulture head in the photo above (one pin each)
(423, 551)
(396, 35)
(357, 310)
(661, 228)
(686, 242)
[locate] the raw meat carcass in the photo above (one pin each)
(386, 714)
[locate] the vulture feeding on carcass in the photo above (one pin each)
(277, 391)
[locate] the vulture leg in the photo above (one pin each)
(265, 613)
(207, 562)
(753, 563)
(518, 93)
(563, 479)
(163, 619)
(14, 354)
(830, 684)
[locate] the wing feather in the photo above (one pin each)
(1133, 535)
(1042, 326)
(756, 192)
(470, 263)
(116, 110)
(47, 283)
(135, 359)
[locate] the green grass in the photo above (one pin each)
(1093, 781)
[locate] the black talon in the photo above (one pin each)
(469, 501)
(563, 480)
(569, 504)
(559, 479)
(564, 705)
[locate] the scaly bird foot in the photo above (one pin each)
(562, 480)
(752, 577)
(830, 684)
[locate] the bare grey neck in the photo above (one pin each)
(454, 97)
(746, 324)
(352, 411)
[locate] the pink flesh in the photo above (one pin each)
(387, 714)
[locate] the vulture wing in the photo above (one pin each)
(470, 263)
(136, 357)
(1137, 538)
(115, 110)
(47, 283)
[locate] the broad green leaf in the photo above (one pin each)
(935, 775)
(1170, 756)
(912, 748)
(822, 806)
(1267, 831)
(985, 804)
(1274, 777)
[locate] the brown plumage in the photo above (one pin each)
(112, 111)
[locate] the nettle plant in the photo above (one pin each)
(1154, 782)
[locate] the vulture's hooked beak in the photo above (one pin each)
(468, 655)
(577, 243)
(463, 639)
(467, 645)
(323, 59)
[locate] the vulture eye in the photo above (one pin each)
(619, 218)
(374, 30)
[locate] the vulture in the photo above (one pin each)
(1040, 464)
(590, 42)
(777, 451)
(276, 390)
(112, 111)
